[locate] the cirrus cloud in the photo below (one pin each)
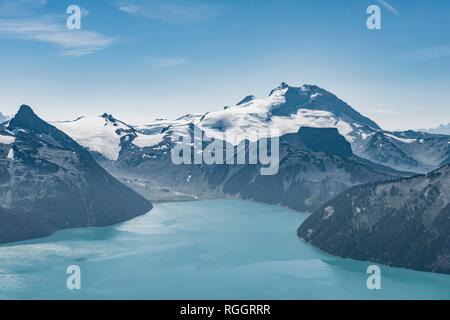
(175, 12)
(49, 30)
(25, 20)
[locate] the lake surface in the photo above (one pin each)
(216, 249)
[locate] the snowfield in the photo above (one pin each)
(7, 139)
(96, 134)
(143, 140)
(284, 111)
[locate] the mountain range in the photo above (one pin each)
(285, 110)
(368, 188)
(311, 170)
(443, 129)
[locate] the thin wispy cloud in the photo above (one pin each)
(167, 62)
(25, 20)
(389, 7)
(427, 54)
(170, 12)
(50, 30)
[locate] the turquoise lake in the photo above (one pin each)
(217, 249)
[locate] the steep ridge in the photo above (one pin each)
(49, 182)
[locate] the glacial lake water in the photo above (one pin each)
(218, 249)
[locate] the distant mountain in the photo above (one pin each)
(442, 129)
(288, 108)
(316, 164)
(103, 135)
(141, 155)
(4, 118)
(49, 182)
(285, 110)
(405, 223)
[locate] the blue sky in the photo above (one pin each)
(142, 60)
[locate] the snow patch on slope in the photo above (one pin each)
(253, 126)
(10, 154)
(401, 139)
(143, 141)
(95, 134)
(329, 211)
(7, 139)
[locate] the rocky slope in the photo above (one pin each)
(405, 223)
(315, 165)
(49, 182)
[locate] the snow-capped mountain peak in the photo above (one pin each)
(284, 111)
(4, 118)
(442, 129)
(107, 135)
(282, 87)
(246, 100)
(109, 118)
